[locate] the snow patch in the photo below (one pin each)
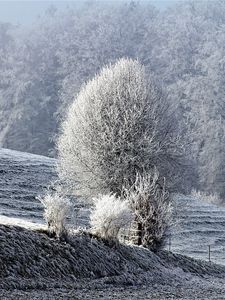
(4, 220)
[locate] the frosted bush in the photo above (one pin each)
(152, 207)
(56, 210)
(109, 215)
(210, 198)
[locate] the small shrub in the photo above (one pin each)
(152, 207)
(210, 198)
(56, 210)
(109, 215)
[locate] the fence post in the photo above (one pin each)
(169, 243)
(209, 253)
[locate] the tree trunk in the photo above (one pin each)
(139, 234)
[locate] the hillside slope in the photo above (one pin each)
(34, 266)
(24, 176)
(199, 225)
(50, 269)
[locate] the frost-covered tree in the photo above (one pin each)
(118, 125)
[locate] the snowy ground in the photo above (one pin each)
(199, 225)
(155, 292)
(33, 266)
(24, 176)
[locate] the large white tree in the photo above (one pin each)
(119, 124)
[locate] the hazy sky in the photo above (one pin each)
(24, 12)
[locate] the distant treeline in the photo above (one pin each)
(42, 69)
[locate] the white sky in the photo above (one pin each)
(25, 12)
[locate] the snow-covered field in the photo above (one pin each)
(33, 266)
(200, 225)
(24, 176)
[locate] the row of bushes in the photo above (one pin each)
(145, 204)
